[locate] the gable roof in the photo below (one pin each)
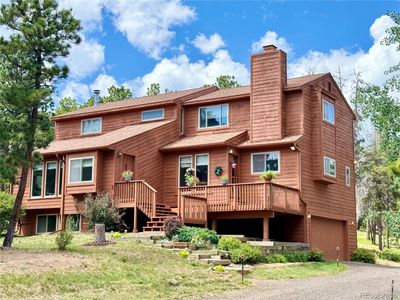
(165, 98)
(99, 141)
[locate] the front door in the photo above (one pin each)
(128, 163)
(234, 168)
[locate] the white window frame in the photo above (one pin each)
(208, 164)
(45, 177)
(152, 119)
(265, 163)
(323, 111)
(347, 176)
(69, 170)
(47, 215)
(92, 132)
(210, 127)
(41, 190)
(179, 166)
(328, 174)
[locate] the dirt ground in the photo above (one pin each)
(23, 261)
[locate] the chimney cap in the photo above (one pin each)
(96, 91)
(269, 48)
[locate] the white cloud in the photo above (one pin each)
(271, 38)
(147, 24)
(102, 83)
(86, 58)
(208, 45)
(89, 12)
(76, 90)
(180, 73)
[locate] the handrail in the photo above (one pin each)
(238, 184)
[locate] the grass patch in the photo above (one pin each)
(303, 270)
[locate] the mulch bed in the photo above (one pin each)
(99, 244)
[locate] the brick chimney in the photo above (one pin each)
(268, 78)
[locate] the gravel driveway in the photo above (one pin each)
(360, 281)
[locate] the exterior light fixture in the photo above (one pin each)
(309, 216)
(292, 148)
(230, 151)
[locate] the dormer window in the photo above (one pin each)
(328, 111)
(213, 116)
(91, 126)
(150, 115)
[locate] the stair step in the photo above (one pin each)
(215, 262)
(165, 214)
(153, 228)
(158, 219)
(155, 223)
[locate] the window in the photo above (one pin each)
(60, 176)
(46, 223)
(328, 111)
(37, 174)
(50, 179)
(81, 170)
(202, 168)
(329, 166)
(185, 162)
(91, 126)
(267, 161)
(74, 222)
(156, 114)
(213, 116)
(347, 171)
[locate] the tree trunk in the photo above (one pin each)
(380, 235)
(100, 230)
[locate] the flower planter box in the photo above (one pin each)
(181, 245)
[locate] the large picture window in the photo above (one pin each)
(213, 116)
(185, 162)
(329, 166)
(202, 168)
(91, 126)
(266, 161)
(37, 175)
(328, 111)
(50, 179)
(81, 170)
(46, 223)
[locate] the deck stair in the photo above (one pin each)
(157, 223)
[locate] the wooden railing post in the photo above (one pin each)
(265, 196)
(183, 210)
(179, 203)
(154, 205)
(271, 201)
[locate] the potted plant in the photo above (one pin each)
(127, 175)
(224, 179)
(268, 176)
(191, 180)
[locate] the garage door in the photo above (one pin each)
(326, 235)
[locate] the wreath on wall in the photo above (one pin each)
(218, 171)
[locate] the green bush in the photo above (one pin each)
(363, 255)
(275, 259)
(219, 268)
(315, 255)
(390, 254)
(228, 243)
(296, 256)
(116, 235)
(63, 239)
(184, 253)
(250, 254)
(196, 235)
(6, 208)
(171, 225)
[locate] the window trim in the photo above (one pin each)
(266, 152)
(69, 170)
(179, 166)
(208, 165)
(334, 112)
(47, 215)
(41, 184)
(347, 168)
(152, 119)
(92, 132)
(327, 174)
(60, 184)
(219, 126)
(45, 178)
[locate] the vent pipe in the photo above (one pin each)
(96, 97)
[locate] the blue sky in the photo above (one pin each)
(184, 44)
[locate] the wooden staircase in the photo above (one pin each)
(157, 223)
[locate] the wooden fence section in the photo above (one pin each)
(137, 193)
(241, 197)
(194, 210)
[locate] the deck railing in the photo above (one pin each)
(241, 197)
(194, 209)
(137, 193)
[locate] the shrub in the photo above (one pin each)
(171, 225)
(184, 253)
(228, 243)
(363, 255)
(296, 256)
(315, 255)
(250, 254)
(196, 234)
(72, 223)
(275, 259)
(63, 239)
(6, 208)
(390, 254)
(101, 209)
(116, 235)
(219, 268)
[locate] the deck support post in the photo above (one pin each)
(135, 229)
(265, 228)
(214, 224)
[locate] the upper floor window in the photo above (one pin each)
(329, 166)
(266, 161)
(213, 116)
(156, 114)
(91, 126)
(81, 170)
(37, 175)
(50, 179)
(328, 111)
(347, 171)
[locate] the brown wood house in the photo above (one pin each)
(301, 128)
